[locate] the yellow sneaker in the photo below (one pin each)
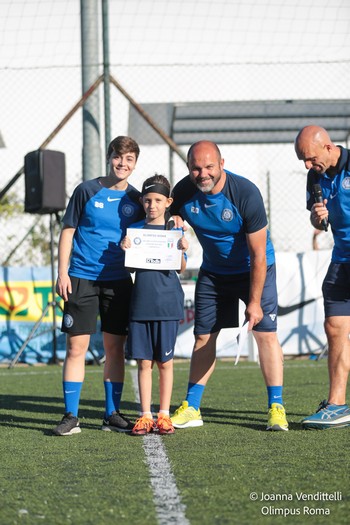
(277, 418)
(186, 417)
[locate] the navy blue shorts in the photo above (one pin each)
(216, 301)
(89, 299)
(336, 290)
(152, 340)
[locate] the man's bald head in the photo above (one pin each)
(206, 167)
(204, 145)
(314, 147)
(312, 135)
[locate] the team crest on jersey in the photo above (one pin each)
(346, 183)
(194, 209)
(227, 215)
(127, 210)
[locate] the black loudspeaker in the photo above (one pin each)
(45, 181)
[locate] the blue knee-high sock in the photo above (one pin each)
(274, 394)
(71, 396)
(194, 395)
(113, 393)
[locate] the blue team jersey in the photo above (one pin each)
(100, 217)
(157, 294)
(221, 222)
(336, 189)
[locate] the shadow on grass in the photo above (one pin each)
(36, 411)
(252, 419)
(29, 411)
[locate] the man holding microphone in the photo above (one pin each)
(328, 199)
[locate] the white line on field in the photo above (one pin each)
(166, 495)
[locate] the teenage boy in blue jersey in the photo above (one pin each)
(92, 281)
(329, 166)
(157, 306)
(228, 216)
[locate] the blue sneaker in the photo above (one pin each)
(328, 416)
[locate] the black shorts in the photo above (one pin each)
(336, 290)
(89, 299)
(216, 301)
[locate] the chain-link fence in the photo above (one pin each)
(168, 53)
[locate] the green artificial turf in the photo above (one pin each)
(103, 478)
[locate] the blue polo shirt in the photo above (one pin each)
(221, 222)
(336, 189)
(100, 217)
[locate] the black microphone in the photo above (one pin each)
(317, 193)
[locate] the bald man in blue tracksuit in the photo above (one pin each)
(228, 216)
(329, 167)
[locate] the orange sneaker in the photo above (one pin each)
(164, 424)
(143, 425)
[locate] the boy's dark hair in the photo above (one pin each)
(122, 145)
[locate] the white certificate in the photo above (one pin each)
(153, 249)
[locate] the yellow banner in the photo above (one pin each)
(25, 301)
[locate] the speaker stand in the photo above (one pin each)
(51, 304)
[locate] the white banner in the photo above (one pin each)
(24, 292)
(300, 309)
